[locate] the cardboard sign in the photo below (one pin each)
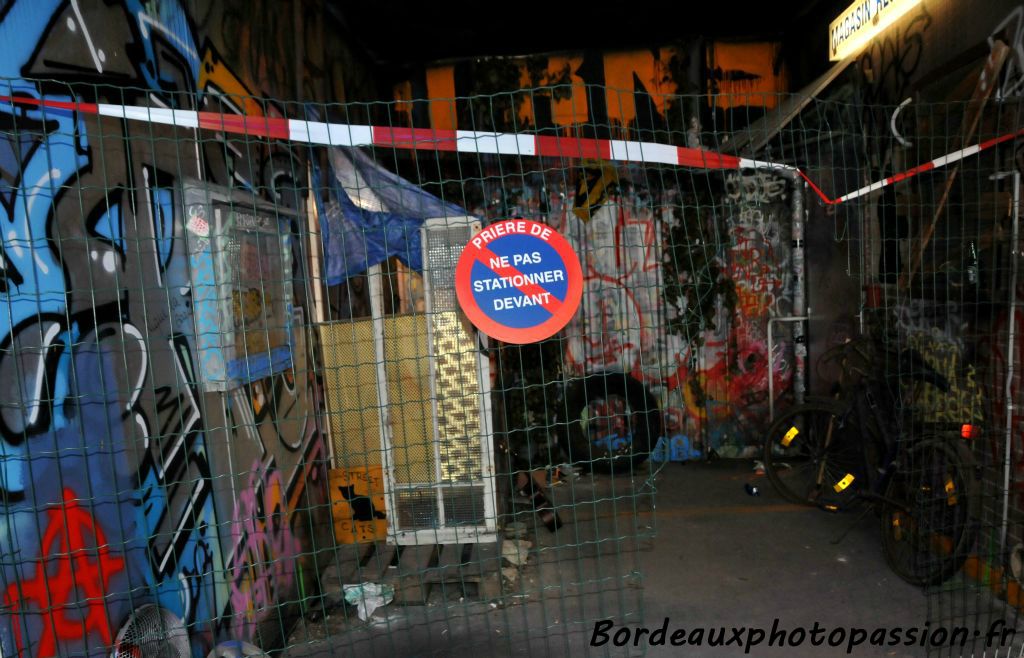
(357, 504)
(519, 281)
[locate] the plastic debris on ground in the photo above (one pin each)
(515, 530)
(516, 551)
(677, 448)
(511, 575)
(367, 597)
(562, 474)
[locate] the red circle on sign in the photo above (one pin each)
(476, 249)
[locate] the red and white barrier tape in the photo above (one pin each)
(937, 163)
(468, 141)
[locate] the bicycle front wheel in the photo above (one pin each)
(811, 448)
(928, 526)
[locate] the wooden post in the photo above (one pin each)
(987, 81)
(315, 250)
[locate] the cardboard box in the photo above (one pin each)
(357, 504)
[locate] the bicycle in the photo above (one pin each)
(866, 446)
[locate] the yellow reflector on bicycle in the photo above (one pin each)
(844, 483)
(832, 508)
(897, 530)
(950, 492)
(790, 435)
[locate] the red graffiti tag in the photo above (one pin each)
(68, 565)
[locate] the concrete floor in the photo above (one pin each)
(719, 558)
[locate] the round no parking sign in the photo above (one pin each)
(519, 281)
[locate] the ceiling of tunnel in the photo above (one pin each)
(399, 36)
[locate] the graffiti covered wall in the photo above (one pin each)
(612, 93)
(122, 483)
(712, 376)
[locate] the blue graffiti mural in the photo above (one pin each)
(181, 546)
(160, 23)
(40, 152)
(102, 435)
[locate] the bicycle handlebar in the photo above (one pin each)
(909, 362)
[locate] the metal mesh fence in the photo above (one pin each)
(240, 394)
(916, 388)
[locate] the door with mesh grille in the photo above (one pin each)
(437, 440)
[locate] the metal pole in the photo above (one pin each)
(799, 297)
(1008, 386)
(800, 314)
(771, 359)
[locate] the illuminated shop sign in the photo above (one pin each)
(861, 22)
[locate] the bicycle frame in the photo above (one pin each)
(865, 401)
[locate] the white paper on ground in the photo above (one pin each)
(367, 597)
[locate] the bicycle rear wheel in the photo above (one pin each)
(928, 525)
(811, 448)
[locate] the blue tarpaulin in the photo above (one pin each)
(371, 215)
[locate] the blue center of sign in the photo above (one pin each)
(500, 293)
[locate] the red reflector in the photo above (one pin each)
(968, 431)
